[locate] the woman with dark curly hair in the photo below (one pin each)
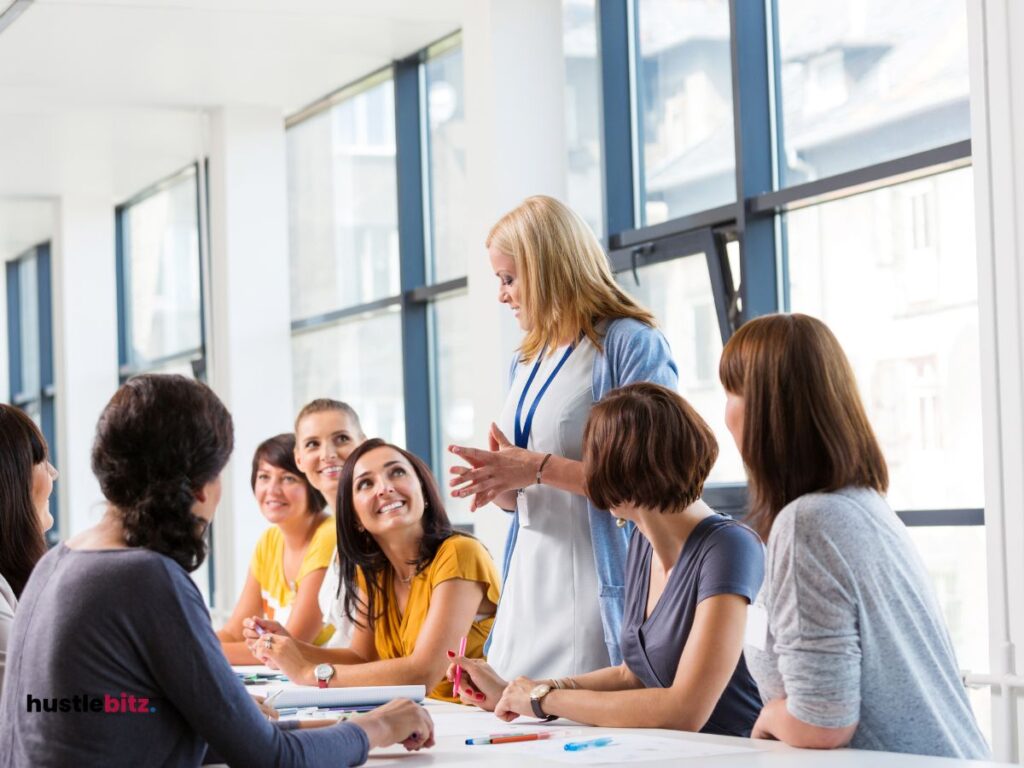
(26, 481)
(113, 656)
(412, 586)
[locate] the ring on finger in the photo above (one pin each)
(268, 643)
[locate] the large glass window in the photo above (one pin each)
(583, 110)
(30, 349)
(684, 85)
(893, 273)
(358, 361)
(865, 81)
(446, 154)
(160, 287)
(342, 203)
(453, 391)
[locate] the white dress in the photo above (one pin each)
(332, 606)
(549, 622)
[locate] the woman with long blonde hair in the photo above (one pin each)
(583, 336)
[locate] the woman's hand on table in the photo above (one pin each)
(502, 468)
(515, 700)
(397, 722)
(479, 685)
(270, 712)
(252, 636)
(285, 653)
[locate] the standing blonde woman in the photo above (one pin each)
(564, 559)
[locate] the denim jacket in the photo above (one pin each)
(631, 352)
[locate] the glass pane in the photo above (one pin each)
(583, 110)
(343, 204)
(28, 295)
(446, 153)
(453, 393)
(359, 362)
(679, 294)
(866, 81)
(685, 93)
(893, 273)
(161, 272)
(955, 559)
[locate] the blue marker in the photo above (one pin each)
(579, 746)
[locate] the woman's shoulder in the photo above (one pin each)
(461, 554)
(839, 516)
(730, 532)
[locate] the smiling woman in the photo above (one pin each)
(413, 586)
(291, 556)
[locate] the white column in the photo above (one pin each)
(249, 337)
(997, 122)
(85, 343)
(515, 118)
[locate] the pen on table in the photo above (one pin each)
(579, 746)
(509, 738)
(458, 667)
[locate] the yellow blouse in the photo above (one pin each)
(267, 568)
(458, 557)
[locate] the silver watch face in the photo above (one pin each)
(540, 691)
(323, 671)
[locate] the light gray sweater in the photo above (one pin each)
(855, 633)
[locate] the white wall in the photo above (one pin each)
(249, 336)
(997, 126)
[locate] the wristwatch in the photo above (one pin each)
(536, 696)
(323, 674)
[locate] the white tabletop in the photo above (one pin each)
(455, 723)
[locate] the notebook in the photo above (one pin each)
(346, 697)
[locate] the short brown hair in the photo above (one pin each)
(804, 426)
(645, 445)
(279, 451)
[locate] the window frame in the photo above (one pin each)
(195, 356)
(755, 219)
(45, 395)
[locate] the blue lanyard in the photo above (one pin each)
(522, 433)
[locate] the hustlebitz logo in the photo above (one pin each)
(123, 704)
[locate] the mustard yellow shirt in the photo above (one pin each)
(459, 557)
(267, 568)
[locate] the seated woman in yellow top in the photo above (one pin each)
(413, 586)
(291, 556)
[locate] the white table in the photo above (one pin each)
(454, 723)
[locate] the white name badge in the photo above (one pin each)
(756, 634)
(523, 509)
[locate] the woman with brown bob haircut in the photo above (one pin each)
(855, 650)
(690, 576)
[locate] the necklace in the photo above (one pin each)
(405, 579)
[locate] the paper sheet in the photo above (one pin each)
(625, 749)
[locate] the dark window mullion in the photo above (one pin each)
(614, 44)
(412, 249)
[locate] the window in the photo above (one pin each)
(30, 349)
(916, 356)
(344, 256)
(583, 110)
(684, 84)
(446, 155)
(868, 81)
(159, 286)
(343, 204)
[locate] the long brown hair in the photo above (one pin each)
(21, 535)
(804, 425)
(567, 286)
(359, 550)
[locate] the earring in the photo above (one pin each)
(620, 522)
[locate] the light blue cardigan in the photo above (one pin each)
(632, 352)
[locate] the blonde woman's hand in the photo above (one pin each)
(479, 685)
(502, 468)
(515, 700)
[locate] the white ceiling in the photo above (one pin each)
(113, 90)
